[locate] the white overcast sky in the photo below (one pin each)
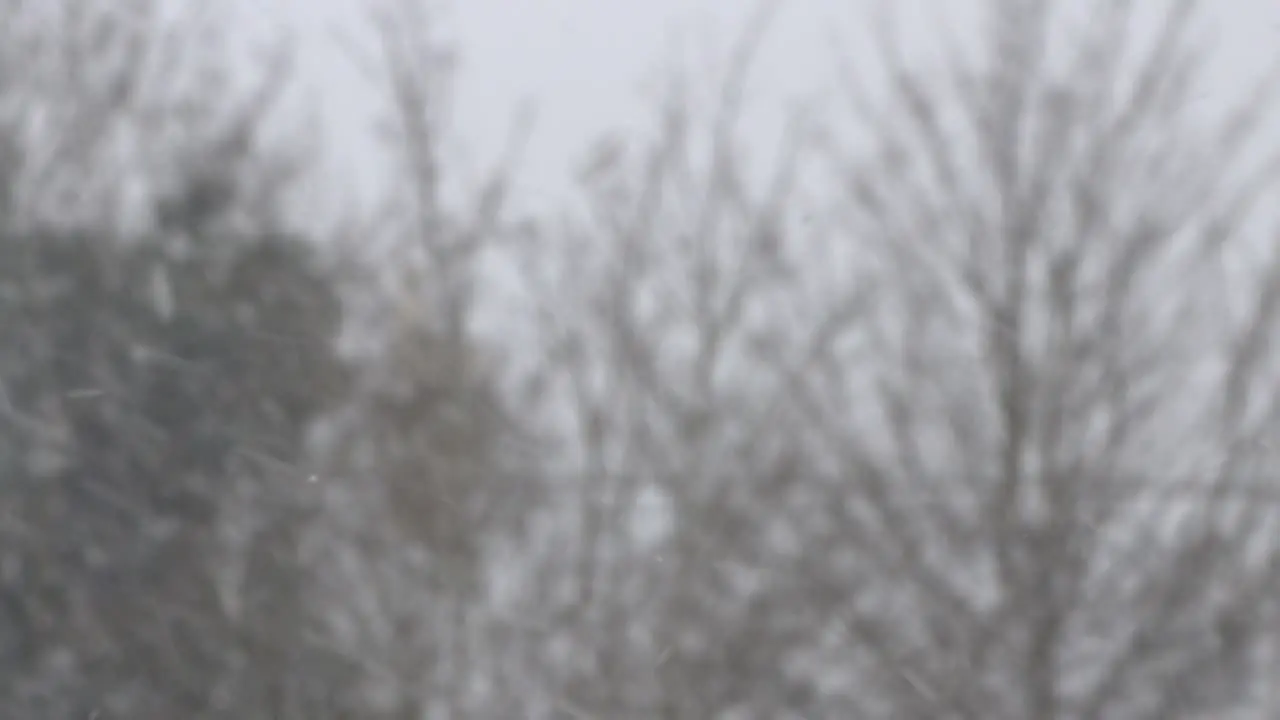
(583, 64)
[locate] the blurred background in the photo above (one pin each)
(404, 360)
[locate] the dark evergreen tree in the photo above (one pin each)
(145, 397)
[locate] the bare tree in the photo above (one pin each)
(422, 456)
(113, 117)
(1059, 476)
(984, 440)
(652, 308)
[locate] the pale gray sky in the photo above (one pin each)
(584, 62)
